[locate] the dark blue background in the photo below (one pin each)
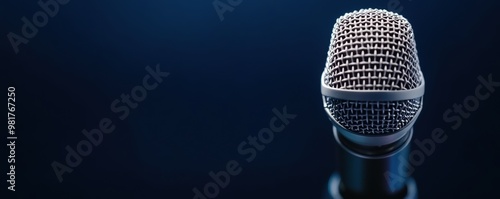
(225, 78)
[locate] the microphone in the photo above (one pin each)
(372, 89)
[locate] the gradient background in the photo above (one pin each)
(225, 78)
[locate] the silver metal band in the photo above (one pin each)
(371, 95)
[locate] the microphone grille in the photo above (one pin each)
(372, 49)
(373, 117)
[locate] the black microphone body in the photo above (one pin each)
(366, 171)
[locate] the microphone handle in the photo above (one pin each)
(372, 172)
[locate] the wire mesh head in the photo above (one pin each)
(372, 49)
